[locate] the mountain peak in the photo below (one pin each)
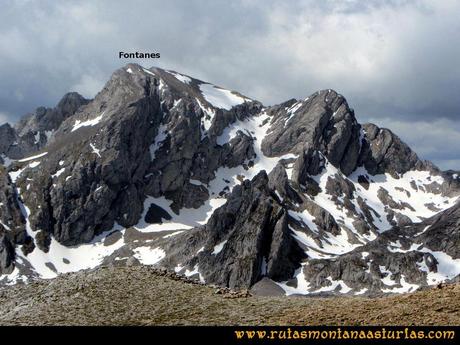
(383, 151)
(70, 103)
(321, 121)
(164, 169)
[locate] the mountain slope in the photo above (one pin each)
(165, 169)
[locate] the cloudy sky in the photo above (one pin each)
(397, 62)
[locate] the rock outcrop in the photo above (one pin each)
(35, 130)
(245, 240)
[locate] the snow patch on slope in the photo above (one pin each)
(186, 219)
(62, 259)
(303, 286)
(206, 120)
(58, 173)
(95, 150)
(218, 248)
(32, 157)
(402, 191)
(161, 136)
(221, 98)
(182, 78)
(78, 123)
(149, 256)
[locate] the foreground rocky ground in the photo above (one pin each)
(143, 296)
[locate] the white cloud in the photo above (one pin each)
(270, 50)
(390, 51)
(88, 86)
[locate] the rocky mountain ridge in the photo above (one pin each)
(164, 169)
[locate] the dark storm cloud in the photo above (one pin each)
(395, 61)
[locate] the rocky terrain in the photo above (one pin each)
(142, 296)
(163, 169)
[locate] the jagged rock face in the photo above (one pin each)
(321, 122)
(7, 137)
(441, 232)
(49, 119)
(184, 154)
(384, 152)
(164, 169)
(12, 223)
(13, 146)
(279, 183)
(246, 239)
(35, 130)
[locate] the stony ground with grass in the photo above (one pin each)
(143, 296)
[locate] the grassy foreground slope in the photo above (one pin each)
(143, 296)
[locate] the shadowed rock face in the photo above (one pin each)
(35, 130)
(49, 119)
(11, 215)
(12, 223)
(299, 193)
(7, 137)
(385, 152)
(246, 239)
(6, 255)
(443, 232)
(321, 122)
